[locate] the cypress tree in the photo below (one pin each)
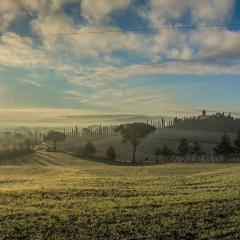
(166, 151)
(224, 147)
(237, 142)
(196, 148)
(183, 147)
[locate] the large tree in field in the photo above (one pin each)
(224, 147)
(135, 133)
(55, 137)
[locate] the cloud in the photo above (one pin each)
(179, 44)
(38, 116)
(211, 10)
(95, 61)
(96, 11)
(16, 51)
(165, 44)
(122, 99)
(206, 11)
(84, 43)
(10, 10)
(53, 24)
(186, 67)
(116, 117)
(101, 75)
(31, 82)
(217, 43)
(8, 13)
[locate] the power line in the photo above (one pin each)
(131, 30)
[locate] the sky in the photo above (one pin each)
(72, 57)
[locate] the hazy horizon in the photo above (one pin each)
(65, 118)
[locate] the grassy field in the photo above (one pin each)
(57, 196)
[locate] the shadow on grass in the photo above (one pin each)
(104, 160)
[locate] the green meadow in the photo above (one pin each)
(58, 196)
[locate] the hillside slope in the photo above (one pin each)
(171, 137)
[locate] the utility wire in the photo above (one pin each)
(131, 30)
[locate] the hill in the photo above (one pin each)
(171, 137)
(218, 122)
(58, 196)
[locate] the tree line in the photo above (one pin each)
(134, 133)
(22, 148)
(224, 148)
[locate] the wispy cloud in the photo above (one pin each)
(31, 82)
(101, 75)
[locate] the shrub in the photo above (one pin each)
(111, 153)
(196, 148)
(89, 149)
(166, 151)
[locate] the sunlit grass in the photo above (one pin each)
(57, 196)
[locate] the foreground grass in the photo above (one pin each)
(56, 196)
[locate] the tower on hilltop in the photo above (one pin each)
(204, 114)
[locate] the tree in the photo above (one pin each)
(196, 148)
(111, 154)
(18, 136)
(55, 137)
(224, 147)
(237, 142)
(135, 133)
(89, 149)
(166, 151)
(183, 147)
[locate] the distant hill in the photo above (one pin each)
(218, 122)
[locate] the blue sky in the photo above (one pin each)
(160, 72)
